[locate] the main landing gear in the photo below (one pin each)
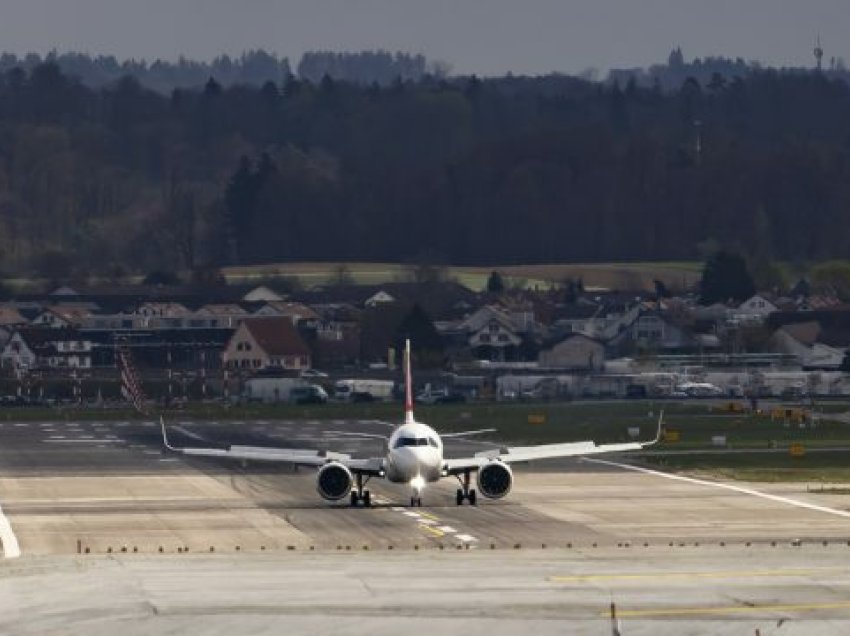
(359, 494)
(465, 492)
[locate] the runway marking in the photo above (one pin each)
(466, 538)
(690, 575)
(21, 425)
(57, 437)
(83, 441)
(428, 522)
(411, 514)
(731, 487)
(11, 549)
(190, 434)
(447, 529)
(731, 609)
(435, 531)
(397, 509)
(429, 515)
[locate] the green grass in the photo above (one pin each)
(605, 275)
(815, 468)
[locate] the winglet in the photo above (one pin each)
(165, 435)
(659, 434)
(408, 386)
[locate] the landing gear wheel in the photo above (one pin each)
(367, 499)
(416, 502)
(354, 499)
(465, 492)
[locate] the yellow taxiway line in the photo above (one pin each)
(432, 530)
(732, 609)
(728, 574)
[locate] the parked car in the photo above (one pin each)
(310, 394)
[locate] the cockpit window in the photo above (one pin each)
(414, 441)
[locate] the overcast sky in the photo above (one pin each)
(487, 37)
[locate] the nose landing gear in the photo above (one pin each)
(465, 492)
(359, 494)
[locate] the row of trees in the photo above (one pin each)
(508, 170)
(252, 68)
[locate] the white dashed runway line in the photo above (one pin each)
(83, 441)
(429, 523)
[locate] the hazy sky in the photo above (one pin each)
(475, 36)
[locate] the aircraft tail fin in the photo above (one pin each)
(408, 386)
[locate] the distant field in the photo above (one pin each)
(597, 275)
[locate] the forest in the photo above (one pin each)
(121, 178)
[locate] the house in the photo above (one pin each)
(379, 297)
(576, 318)
(218, 315)
(55, 348)
(653, 330)
(296, 312)
(11, 317)
(62, 316)
(576, 351)
(267, 343)
(815, 345)
(491, 335)
(753, 310)
(167, 315)
(261, 294)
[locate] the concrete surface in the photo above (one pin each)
(678, 557)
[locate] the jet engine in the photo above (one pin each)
(495, 480)
(334, 481)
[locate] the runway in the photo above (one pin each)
(68, 486)
(101, 504)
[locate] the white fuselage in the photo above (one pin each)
(415, 451)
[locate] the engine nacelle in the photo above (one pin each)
(334, 481)
(495, 480)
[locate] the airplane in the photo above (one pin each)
(414, 456)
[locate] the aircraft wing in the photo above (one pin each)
(299, 456)
(544, 451)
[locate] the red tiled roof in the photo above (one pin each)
(277, 336)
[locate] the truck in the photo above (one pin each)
(281, 389)
(363, 390)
